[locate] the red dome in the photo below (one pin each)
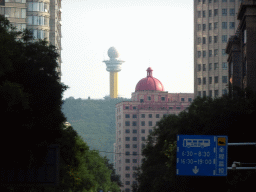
(149, 83)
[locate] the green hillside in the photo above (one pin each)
(94, 120)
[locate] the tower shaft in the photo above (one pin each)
(113, 84)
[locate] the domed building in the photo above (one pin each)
(135, 119)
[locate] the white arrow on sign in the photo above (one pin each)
(195, 170)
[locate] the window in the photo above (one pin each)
(198, 27)
(224, 25)
(215, 52)
(224, 91)
(127, 168)
(216, 79)
(134, 131)
(134, 145)
(199, 1)
(198, 40)
(127, 182)
(210, 80)
(127, 115)
(224, 12)
(126, 107)
(224, 1)
(127, 130)
(134, 138)
(182, 99)
(231, 25)
(210, 53)
(134, 160)
(210, 13)
(142, 115)
(223, 52)
(204, 40)
(199, 81)
(134, 123)
(199, 93)
(224, 38)
(143, 139)
(157, 116)
(127, 138)
(224, 79)
(215, 12)
(215, 25)
(143, 146)
(210, 26)
(215, 39)
(204, 93)
(190, 99)
(216, 66)
(149, 115)
(199, 67)
(134, 108)
(204, 27)
(204, 67)
(204, 53)
(134, 116)
(210, 93)
(149, 98)
(127, 153)
(134, 153)
(203, 1)
(141, 100)
(199, 14)
(127, 190)
(127, 123)
(224, 66)
(127, 175)
(231, 12)
(150, 123)
(142, 123)
(210, 1)
(210, 39)
(127, 145)
(198, 54)
(203, 13)
(142, 130)
(134, 168)
(163, 98)
(210, 66)
(216, 93)
(204, 80)
(232, 0)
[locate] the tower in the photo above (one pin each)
(214, 22)
(113, 66)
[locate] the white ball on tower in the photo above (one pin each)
(113, 53)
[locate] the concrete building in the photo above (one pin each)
(43, 17)
(214, 22)
(135, 119)
(113, 67)
(241, 49)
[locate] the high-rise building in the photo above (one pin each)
(135, 119)
(113, 67)
(214, 22)
(43, 17)
(241, 49)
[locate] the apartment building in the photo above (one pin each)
(214, 22)
(43, 17)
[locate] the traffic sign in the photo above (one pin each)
(201, 155)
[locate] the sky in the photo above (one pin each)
(146, 33)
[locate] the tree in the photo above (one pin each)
(206, 116)
(30, 96)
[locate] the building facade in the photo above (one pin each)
(241, 49)
(42, 17)
(135, 119)
(214, 22)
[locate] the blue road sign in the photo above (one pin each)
(201, 155)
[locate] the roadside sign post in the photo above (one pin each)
(201, 155)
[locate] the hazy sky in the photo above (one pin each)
(146, 33)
